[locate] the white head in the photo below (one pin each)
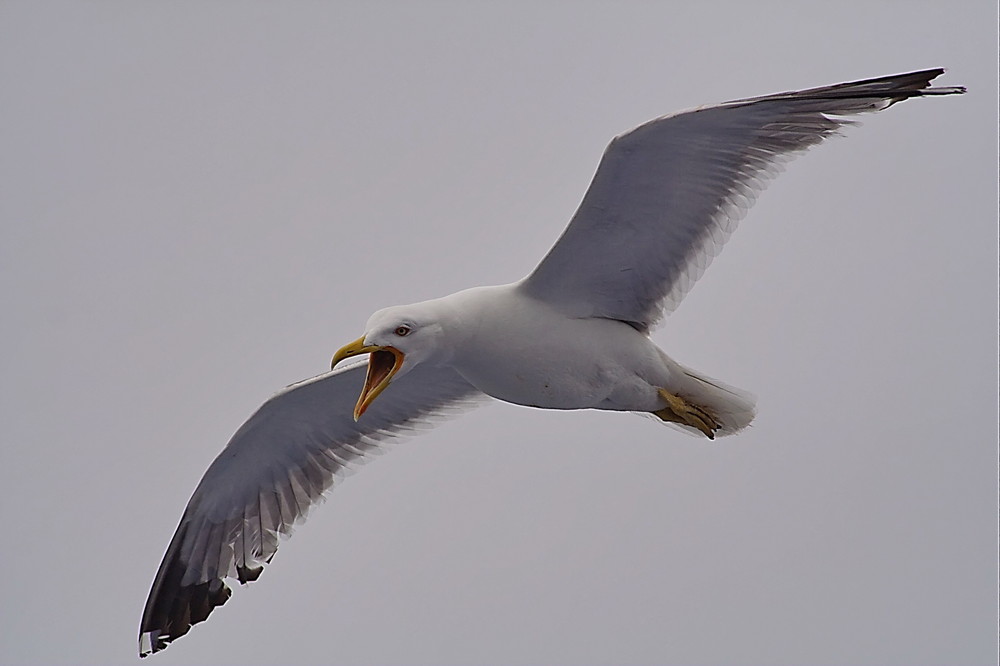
(398, 339)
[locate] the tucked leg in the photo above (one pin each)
(679, 410)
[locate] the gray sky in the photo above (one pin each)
(202, 201)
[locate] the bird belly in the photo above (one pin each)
(594, 364)
(543, 385)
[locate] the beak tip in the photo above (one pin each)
(349, 350)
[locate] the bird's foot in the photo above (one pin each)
(679, 410)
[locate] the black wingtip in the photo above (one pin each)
(919, 83)
(891, 89)
(172, 615)
(173, 608)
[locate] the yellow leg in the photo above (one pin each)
(679, 410)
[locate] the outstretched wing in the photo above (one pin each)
(668, 194)
(273, 469)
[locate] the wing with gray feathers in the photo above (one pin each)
(668, 194)
(274, 468)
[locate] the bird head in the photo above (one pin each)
(397, 339)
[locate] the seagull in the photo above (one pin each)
(573, 334)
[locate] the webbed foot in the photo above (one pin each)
(679, 410)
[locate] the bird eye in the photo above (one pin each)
(402, 331)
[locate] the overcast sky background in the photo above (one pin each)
(202, 201)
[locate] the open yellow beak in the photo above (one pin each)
(383, 364)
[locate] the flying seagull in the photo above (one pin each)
(574, 334)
